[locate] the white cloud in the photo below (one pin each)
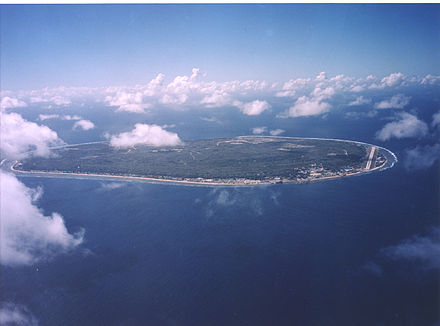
(405, 126)
(19, 136)
(11, 103)
(193, 90)
(306, 106)
(155, 84)
(145, 134)
(422, 157)
(290, 87)
(430, 80)
(43, 117)
(27, 235)
(436, 119)
(56, 100)
(398, 101)
(71, 117)
(360, 100)
(15, 314)
(322, 76)
(393, 80)
(276, 132)
(323, 93)
(210, 119)
(252, 108)
(357, 88)
(259, 130)
(59, 100)
(84, 125)
(130, 102)
(424, 250)
(217, 99)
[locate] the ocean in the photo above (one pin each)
(292, 254)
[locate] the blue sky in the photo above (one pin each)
(101, 45)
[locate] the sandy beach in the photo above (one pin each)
(194, 182)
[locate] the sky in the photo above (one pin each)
(103, 45)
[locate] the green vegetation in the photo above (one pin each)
(266, 159)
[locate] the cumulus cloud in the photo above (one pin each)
(145, 134)
(424, 250)
(130, 102)
(252, 108)
(276, 132)
(430, 80)
(84, 125)
(11, 103)
(259, 130)
(357, 88)
(398, 101)
(422, 157)
(27, 235)
(216, 99)
(290, 87)
(405, 126)
(193, 90)
(393, 80)
(360, 100)
(322, 76)
(16, 314)
(323, 93)
(306, 106)
(19, 136)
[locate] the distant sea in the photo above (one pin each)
(297, 254)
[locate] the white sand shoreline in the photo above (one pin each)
(205, 182)
(194, 182)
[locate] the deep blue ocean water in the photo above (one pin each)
(276, 255)
(306, 254)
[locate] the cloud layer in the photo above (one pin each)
(301, 96)
(27, 235)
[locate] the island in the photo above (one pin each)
(244, 160)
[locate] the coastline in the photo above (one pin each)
(191, 182)
(212, 182)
